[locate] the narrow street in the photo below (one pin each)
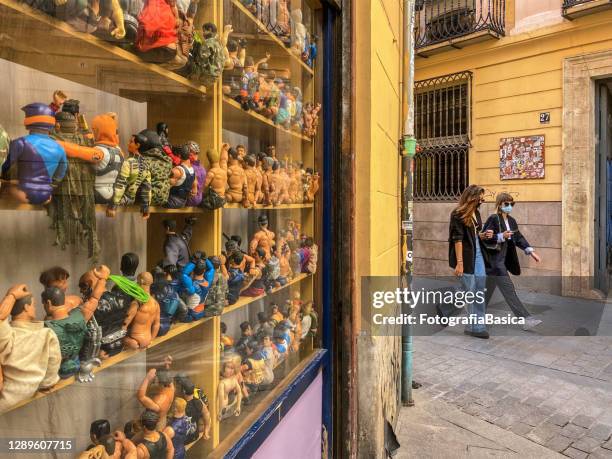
(483, 398)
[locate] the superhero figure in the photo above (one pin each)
(35, 163)
(196, 287)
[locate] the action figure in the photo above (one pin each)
(236, 277)
(183, 180)
(258, 275)
(155, 443)
(36, 163)
(285, 183)
(263, 238)
(143, 317)
(313, 187)
(216, 299)
(207, 58)
(237, 190)
(229, 392)
(249, 83)
(163, 131)
(30, 353)
(196, 288)
(159, 165)
(70, 324)
(275, 313)
(162, 400)
(309, 254)
(105, 130)
(268, 191)
(157, 35)
(73, 208)
(216, 179)
(265, 325)
(310, 320)
(176, 247)
(252, 182)
(227, 342)
(298, 33)
(196, 409)
(115, 444)
(178, 427)
(133, 183)
(166, 293)
(5, 141)
(200, 175)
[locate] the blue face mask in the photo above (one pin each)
(506, 209)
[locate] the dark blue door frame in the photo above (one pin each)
(322, 360)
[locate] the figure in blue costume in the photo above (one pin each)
(35, 163)
(195, 287)
(165, 290)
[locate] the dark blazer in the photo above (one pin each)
(506, 259)
(457, 231)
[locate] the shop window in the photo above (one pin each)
(442, 127)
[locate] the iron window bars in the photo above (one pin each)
(441, 20)
(443, 129)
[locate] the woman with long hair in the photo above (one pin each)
(467, 256)
(503, 257)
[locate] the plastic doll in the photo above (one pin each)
(207, 57)
(226, 341)
(298, 33)
(284, 197)
(268, 191)
(155, 443)
(5, 141)
(157, 31)
(216, 299)
(133, 184)
(275, 313)
(309, 254)
(70, 324)
(235, 50)
(184, 182)
(315, 120)
(158, 164)
(72, 211)
(161, 401)
(251, 182)
(216, 179)
(229, 394)
(30, 354)
(168, 298)
(35, 163)
(273, 279)
(200, 175)
(237, 190)
(176, 246)
(282, 27)
(308, 115)
(163, 131)
(310, 55)
(185, 33)
(196, 286)
(143, 317)
(263, 238)
(293, 186)
(277, 185)
(178, 427)
(115, 444)
(257, 375)
(265, 324)
(105, 130)
(283, 116)
(111, 25)
(196, 409)
(310, 320)
(313, 187)
(246, 333)
(236, 277)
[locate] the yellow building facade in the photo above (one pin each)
(521, 86)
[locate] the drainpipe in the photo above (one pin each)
(407, 150)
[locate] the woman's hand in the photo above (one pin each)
(536, 257)
(507, 234)
(459, 269)
(488, 234)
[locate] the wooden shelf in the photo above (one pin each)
(11, 205)
(174, 331)
(304, 205)
(241, 121)
(245, 301)
(31, 38)
(265, 34)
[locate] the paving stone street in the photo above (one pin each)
(553, 391)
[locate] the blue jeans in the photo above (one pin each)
(474, 283)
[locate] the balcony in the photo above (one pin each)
(573, 9)
(446, 24)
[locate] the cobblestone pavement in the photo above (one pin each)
(554, 391)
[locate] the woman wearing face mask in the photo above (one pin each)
(503, 257)
(467, 255)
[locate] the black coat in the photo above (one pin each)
(506, 259)
(457, 231)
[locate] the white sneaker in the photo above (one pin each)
(530, 322)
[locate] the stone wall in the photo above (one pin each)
(540, 223)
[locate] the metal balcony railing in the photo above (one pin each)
(438, 21)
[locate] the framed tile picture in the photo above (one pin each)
(521, 157)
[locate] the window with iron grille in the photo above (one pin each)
(442, 128)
